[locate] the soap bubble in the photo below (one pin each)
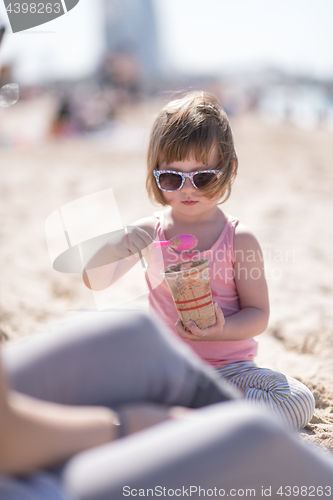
(9, 95)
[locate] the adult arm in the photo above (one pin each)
(36, 434)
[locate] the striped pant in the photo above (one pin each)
(288, 398)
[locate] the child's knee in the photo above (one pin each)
(304, 402)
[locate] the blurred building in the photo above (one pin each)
(132, 39)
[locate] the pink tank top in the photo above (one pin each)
(221, 255)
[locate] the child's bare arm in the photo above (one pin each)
(251, 285)
(118, 255)
(252, 319)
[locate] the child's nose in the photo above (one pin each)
(188, 186)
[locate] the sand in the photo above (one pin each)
(283, 193)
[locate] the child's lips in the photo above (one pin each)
(189, 202)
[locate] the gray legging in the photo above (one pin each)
(225, 450)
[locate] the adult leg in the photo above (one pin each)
(288, 398)
(111, 359)
(231, 447)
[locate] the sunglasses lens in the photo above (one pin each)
(170, 182)
(203, 180)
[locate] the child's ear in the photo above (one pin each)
(234, 166)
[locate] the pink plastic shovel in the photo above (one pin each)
(181, 242)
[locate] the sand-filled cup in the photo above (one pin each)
(189, 285)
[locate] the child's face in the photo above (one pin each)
(189, 200)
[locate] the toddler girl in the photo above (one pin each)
(192, 164)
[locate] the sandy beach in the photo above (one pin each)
(283, 193)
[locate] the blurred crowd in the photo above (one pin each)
(91, 105)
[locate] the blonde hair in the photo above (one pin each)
(192, 126)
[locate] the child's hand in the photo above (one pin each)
(115, 257)
(214, 332)
(126, 243)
